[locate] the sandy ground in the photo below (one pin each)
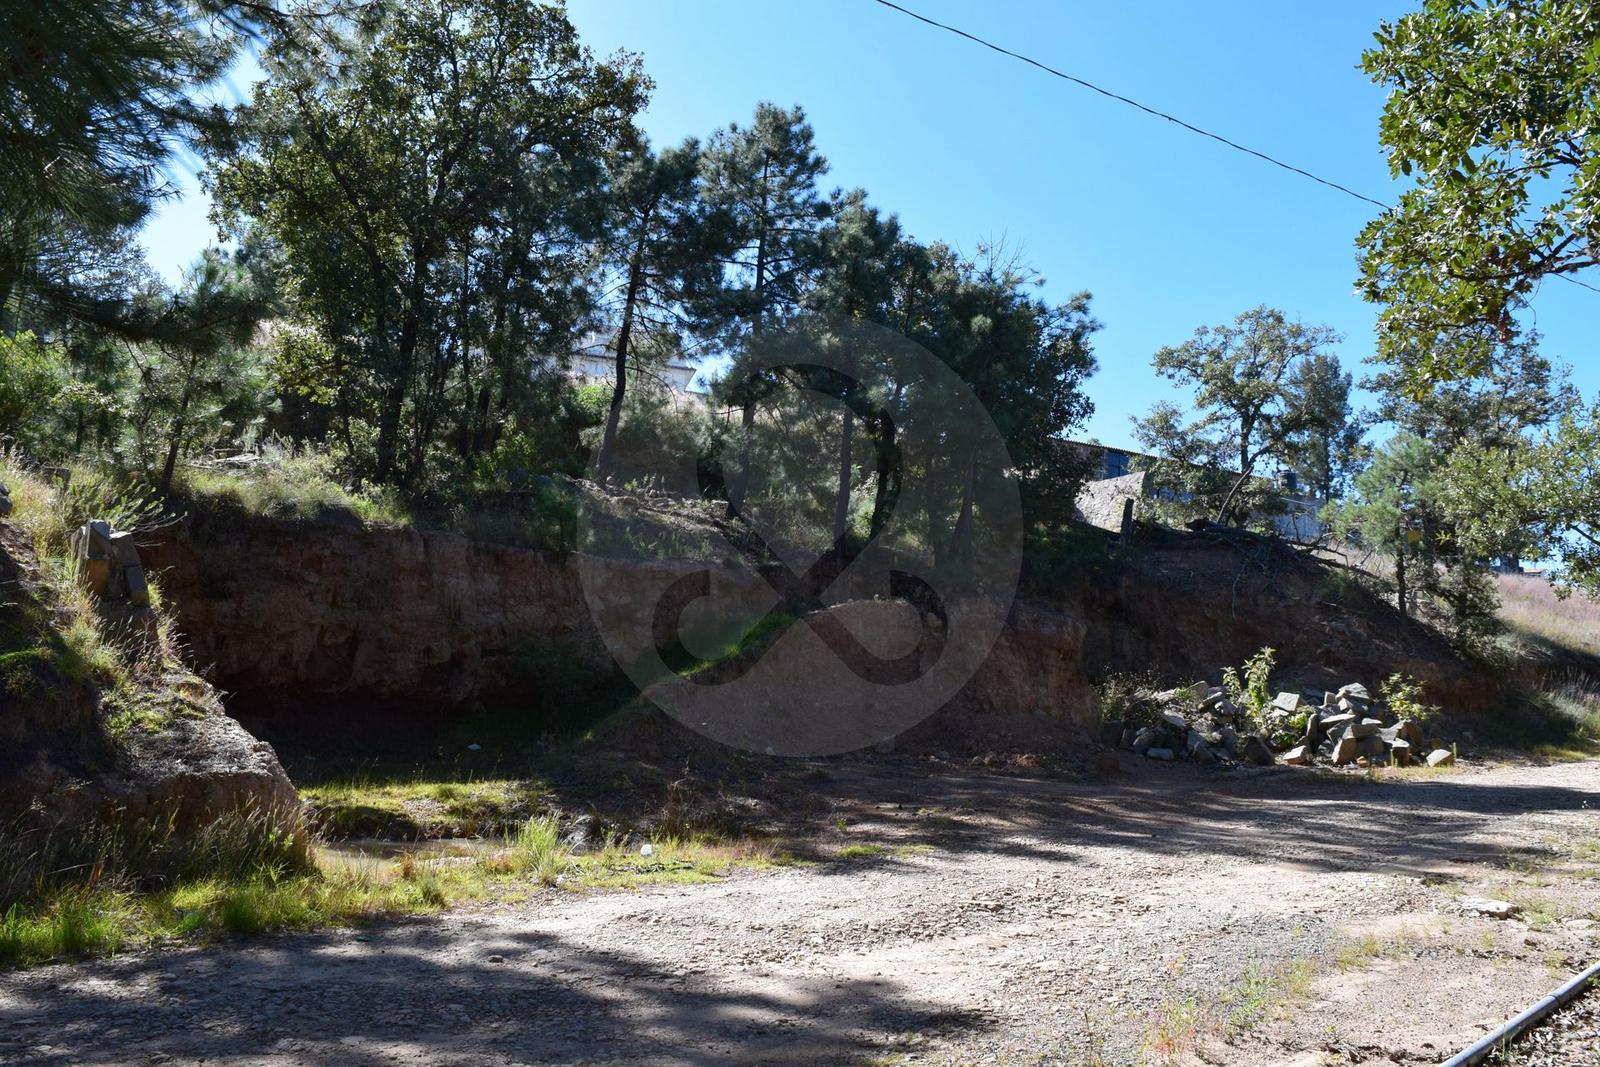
(1159, 915)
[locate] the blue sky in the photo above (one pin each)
(1168, 231)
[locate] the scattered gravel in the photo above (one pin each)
(1005, 919)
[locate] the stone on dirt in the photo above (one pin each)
(1489, 907)
(1298, 756)
(1441, 757)
(1160, 753)
(1344, 749)
(1253, 749)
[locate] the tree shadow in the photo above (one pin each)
(402, 992)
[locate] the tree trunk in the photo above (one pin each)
(747, 421)
(619, 388)
(179, 424)
(888, 475)
(841, 500)
(392, 406)
(1400, 576)
(961, 536)
(741, 478)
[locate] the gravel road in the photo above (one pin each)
(1163, 913)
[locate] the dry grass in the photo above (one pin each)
(1529, 605)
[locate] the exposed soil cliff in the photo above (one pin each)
(283, 613)
(1185, 606)
(295, 615)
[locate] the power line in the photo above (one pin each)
(1191, 127)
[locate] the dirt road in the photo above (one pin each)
(1164, 914)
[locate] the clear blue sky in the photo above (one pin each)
(1167, 230)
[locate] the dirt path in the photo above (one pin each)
(1159, 914)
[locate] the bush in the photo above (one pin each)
(1251, 692)
(537, 849)
(1403, 696)
(32, 375)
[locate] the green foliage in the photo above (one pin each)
(284, 483)
(1542, 495)
(1125, 698)
(536, 849)
(1410, 506)
(96, 97)
(1492, 114)
(32, 376)
(429, 180)
(1403, 696)
(1265, 393)
(1251, 691)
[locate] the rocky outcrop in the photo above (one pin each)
(73, 754)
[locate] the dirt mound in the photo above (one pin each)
(1183, 605)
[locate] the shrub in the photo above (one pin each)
(1251, 692)
(1403, 696)
(1127, 698)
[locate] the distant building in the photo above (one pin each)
(594, 359)
(1113, 480)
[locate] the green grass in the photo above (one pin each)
(1261, 994)
(856, 852)
(222, 885)
(423, 808)
(1363, 951)
(76, 922)
(672, 860)
(282, 485)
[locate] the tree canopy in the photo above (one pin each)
(1494, 114)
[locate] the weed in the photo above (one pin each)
(536, 849)
(857, 852)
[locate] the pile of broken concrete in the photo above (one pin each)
(1348, 729)
(1200, 723)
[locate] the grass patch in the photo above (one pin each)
(97, 914)
(423, 808)
(860, 852)
(1261, 994)
(1530, 606)
(671, 860)
(282, 484)
(1364, 951)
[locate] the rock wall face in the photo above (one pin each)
(284, 613)
(283, 608)
(1100, 502)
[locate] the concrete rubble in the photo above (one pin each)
(1346, 728)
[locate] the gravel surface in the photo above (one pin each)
(1163, 914)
